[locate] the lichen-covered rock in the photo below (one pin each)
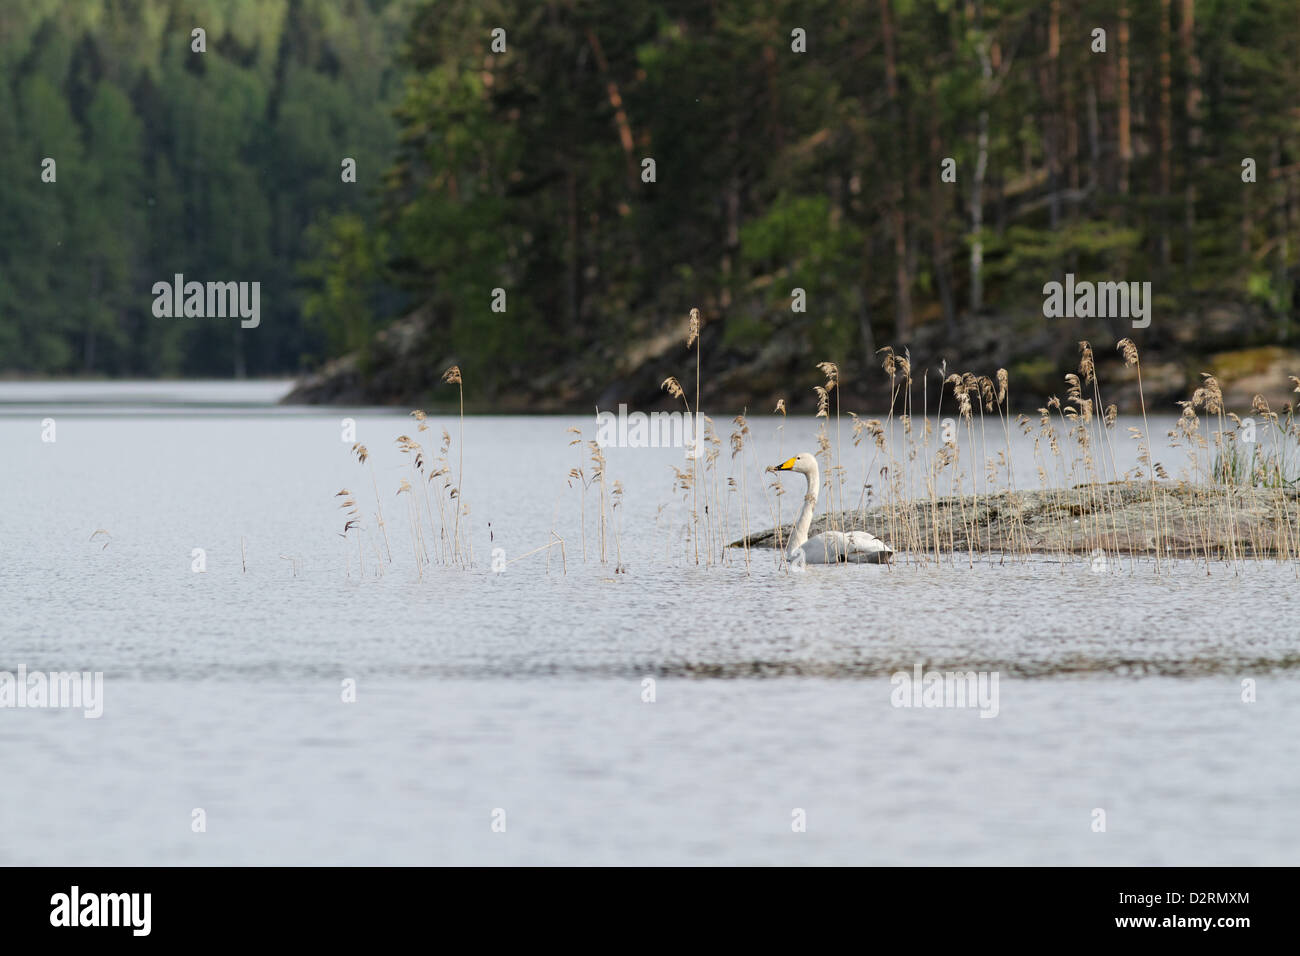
(1167, 518)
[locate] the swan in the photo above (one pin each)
(829, 547)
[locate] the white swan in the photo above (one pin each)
(829, 547)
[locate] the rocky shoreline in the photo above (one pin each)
(403, 364)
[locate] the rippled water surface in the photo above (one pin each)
(526, 690)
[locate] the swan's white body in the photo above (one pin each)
(829, 547)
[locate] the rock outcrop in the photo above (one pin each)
(1121, 518)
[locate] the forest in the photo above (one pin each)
(222, 165)
(546, 188)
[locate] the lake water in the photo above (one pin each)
(523, 696)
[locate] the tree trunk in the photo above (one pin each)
(938, 241)
(1094, 135)
(573, 271)
(868, 337)
(625, 136)
(1125, 143)
(732, 198)
(1187, 29)
(1166, 135)
(1051, 115)
(1281, 279)
(902, 277)
(981, 169)
(96, 292)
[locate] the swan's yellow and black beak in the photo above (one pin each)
(785, 465)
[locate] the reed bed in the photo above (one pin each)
(438, 516)
(940, 485)
(431, 490)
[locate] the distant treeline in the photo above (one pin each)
(608, 165)
(220, 166)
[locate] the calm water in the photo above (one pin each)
(524, 691)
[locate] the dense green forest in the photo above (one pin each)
(608, 166)
(222, 165)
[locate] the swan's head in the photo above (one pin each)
(804, 463)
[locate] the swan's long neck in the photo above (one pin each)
(800, 533)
